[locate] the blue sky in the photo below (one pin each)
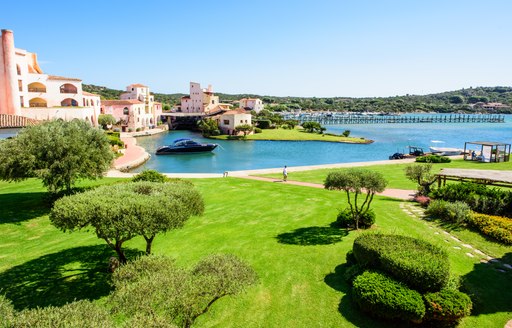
(284, 48)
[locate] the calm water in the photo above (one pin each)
(389, 138)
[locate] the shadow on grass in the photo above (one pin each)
(490, 286)
(19, 207)
(59, 278)
(312, 236)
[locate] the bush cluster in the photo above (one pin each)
(497, 227)
(433, 159)
(385, 297)
(263, 124)
(421, 265)
(399, 277)
(457, 212)
(345, 219)
(480, 199)
(257, 130)
(150, 175)
(447, 305)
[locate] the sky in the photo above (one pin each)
(306, 48)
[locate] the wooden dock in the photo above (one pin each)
(393, 119)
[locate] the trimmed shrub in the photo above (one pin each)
(458, 212)
(346, 220)
(6, 312)
(497, 227)
(385, 297)
(480, 199)
(150, 175)
(263, 124)
(352, 272)
(77, 314)
(257, 130)
(419, 264)
(433, 159)
(447, 305)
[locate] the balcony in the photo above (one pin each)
(37, 90)
(36, 87)
(68, 88)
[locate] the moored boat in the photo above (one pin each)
(446, 151)
(185, 145)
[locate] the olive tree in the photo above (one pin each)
(208, 127)
(355, 182)
(422, 175)
(120, 212)
(106, 119)
(244, 128)
(57, 152)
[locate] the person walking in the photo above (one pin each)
(285, 174)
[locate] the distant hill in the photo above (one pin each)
(462, 100)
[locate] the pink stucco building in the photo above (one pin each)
(25, 90)
(137, 108)
(254, 104)
(202, 101)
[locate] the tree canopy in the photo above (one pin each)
(120, 212)
(422, 175)
(58, 152)
(106, 119)
(354, 182)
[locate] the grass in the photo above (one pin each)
(393, 172)
(296, 135)
(281, 230)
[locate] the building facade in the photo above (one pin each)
(136, 110)
(231, 119)
(25, 90)
(254, 104)
(200, 100)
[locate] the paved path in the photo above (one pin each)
(394, 193)
(133, 155)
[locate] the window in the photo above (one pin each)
(21, 101)
(18, 70)
(226, 122)
(126, 111)
(20, 85)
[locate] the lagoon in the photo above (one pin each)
(389, 138)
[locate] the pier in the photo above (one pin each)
(335, 119)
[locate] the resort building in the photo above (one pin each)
(136, 110)
(26, 91)
(231, 119)
(202, 101)
(254, 104)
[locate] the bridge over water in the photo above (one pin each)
(331, 119)
(15, 121)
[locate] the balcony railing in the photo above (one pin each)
(68, 91)
(38, 105)
(36, 89)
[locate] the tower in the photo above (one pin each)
(9, 97)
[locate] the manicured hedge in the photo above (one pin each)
(458, 212)
(433, 159)
(419, 264)
(481, 199)
(346, 220)
(447, 305)
(497, 227)
(384, 297)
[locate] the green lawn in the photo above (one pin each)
(295, 135)
(281, 230)
(394, 173)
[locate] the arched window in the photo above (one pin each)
(68, 102)
(68, 88)
(36, 87)
(37, 102)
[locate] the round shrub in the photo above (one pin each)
(433, 159)
(419, 264)
(6, 312)
(384, 297)
(257, 130)
(457, 212)
(150, 175)
(346, 220)
(447, 305)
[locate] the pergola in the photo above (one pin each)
(487, 177)
(489, 151)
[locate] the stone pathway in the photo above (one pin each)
(394, 193)
(416, 211)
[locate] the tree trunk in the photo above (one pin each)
(149, 242)
(120, 253)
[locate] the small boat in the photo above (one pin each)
(185, 145)
(446, 151)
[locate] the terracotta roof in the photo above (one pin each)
(138, 85)
(88, 94)
(55, 77)
(121, 102)
(235, 111)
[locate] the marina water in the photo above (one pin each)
(389, 138)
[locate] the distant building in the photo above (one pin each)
(137, 108)
(254, 104)
(202, 101)
(26, 91)
(231, 119)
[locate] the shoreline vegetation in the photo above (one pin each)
(294, 135)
